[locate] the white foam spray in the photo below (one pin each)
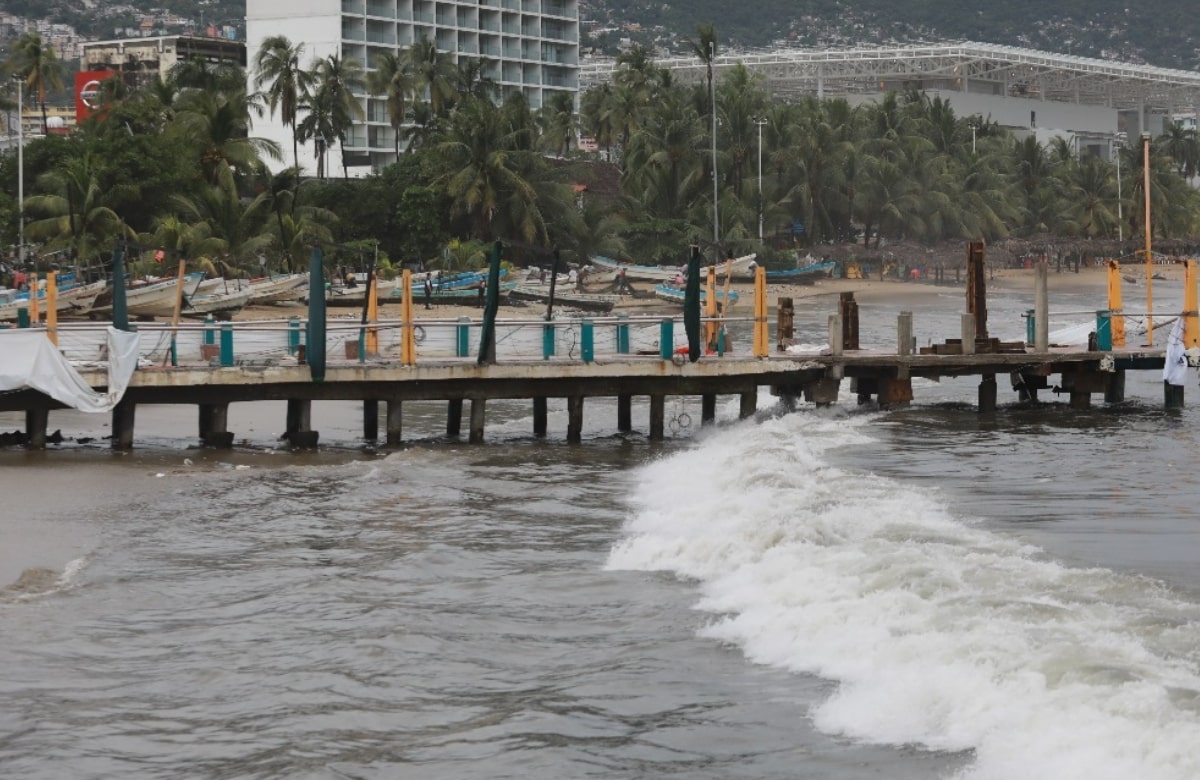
(940, 633)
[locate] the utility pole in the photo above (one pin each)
(712, 88)
(1120, 217)
(20, 170)
(760, 121)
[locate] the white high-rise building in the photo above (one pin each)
(531, 46)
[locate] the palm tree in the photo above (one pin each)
(557, 120)
(217, 124)
(481, 174)
(239, 230)
(393, 79)
(38, 67)
(278, 67)
(333, 101)
(77, 210)
(434, 72)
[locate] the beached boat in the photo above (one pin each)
(218, 302)
(72, 299)
(668, 292)
(278, 289)
(154, 299)
(565, 296)
(804, 275)
(741, 268)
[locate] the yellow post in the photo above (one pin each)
(408, 340)
(35, 311)
(761, 334)
(52, 307)
(1191, 325)
(373, 313)
(1149, 253)
(710, 308)
(1114, 303)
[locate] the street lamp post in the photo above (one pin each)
(973, 127)
(712, 55)
(760, 121)
(1120, 217)
(20, 170)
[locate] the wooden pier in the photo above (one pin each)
(881, 377)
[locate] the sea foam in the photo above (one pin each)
(941, 634)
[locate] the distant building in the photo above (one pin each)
(527, 46)
(139, 60)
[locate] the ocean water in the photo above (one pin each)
(836, 593)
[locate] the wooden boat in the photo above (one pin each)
(155, 299)
(219, 302)
(565, 296)
(341, 295)
(73, 299)
(278, 289)
(675, 294)
(805, 275)
(742, 269)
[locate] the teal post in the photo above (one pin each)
(666, 338)
(1104, 330)
(315, 350)
(210, 337)
(22, 318)
(362, 341)
(464, 337)
(623, 335)
(174, 353)
(293, 335)
(721, 342)
(1030, 326)
(227, 344)
(691, 306)
(548, 341)
(588, 348)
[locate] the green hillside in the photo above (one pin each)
(1109, 29)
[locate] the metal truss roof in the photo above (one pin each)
(975, 67)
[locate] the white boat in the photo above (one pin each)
(741, 268)
(156, 299)
(565, 296)
(218, 302)
(76, 299)
(668, 292)
(278, 289)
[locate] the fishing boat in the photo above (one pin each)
(565, 296)
(668, 292)
(343, 295)
(803, 275)
(72, 299)
(740, 268)
(153, 299)
(218, 302)
(278, 289)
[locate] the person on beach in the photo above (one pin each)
(428, 290)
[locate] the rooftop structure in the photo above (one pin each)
(141, 59)
(1022, 89)
(530, 46)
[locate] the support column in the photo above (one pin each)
(1115, 393)
(1081, 399)
(395, 422)
(454, 417)
(987, 394)
(216, 429)
(204, 420)
(658, 416)
(299, 423)
(1173, 396)
(708, 409)
(539, 416)
(575, 419)
(478, 415)
(36, 422)
(371, 420)
(122, 425)
(749, 403)
(625, 413)
(1041, 309)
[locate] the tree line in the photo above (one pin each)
(174, 165)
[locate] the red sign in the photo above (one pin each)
(87, 92)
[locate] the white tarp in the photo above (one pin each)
(28, 359)
(1175, 364)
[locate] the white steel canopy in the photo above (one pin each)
(980, 68)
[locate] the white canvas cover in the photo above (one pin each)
(29, 360)
(1175, 365)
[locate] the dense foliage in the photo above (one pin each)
(175, 166)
